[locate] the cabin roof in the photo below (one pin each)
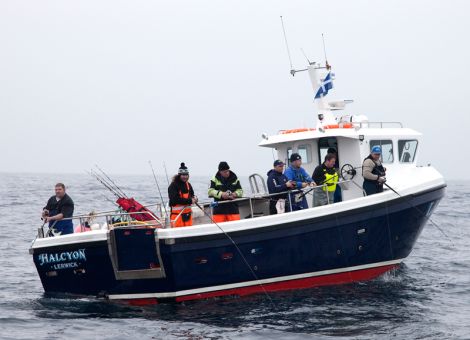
(353, 133)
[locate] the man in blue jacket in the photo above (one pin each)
(277, 183)
(300, 177)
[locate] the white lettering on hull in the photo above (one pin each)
(63, 260)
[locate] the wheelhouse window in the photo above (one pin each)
(387, 149)
(304, 152)
(289, 153)
(324, 144)
(407, 150)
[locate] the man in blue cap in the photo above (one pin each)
(373, 172)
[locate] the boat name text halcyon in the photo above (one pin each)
(62, 258)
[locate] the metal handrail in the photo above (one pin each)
(278, 193)
(254, 183)
(112, 213)
(381, 124)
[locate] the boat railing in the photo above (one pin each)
(112, 219)
(120, 219)
(380, 125)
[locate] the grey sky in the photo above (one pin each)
(119, 83)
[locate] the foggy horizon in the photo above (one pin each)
(119, 84)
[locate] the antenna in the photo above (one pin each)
(324, 51)
(303, 52)
(287, 46)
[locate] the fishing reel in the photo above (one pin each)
(348, 172)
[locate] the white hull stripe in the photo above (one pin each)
(250, 283)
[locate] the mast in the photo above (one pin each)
(321, 78)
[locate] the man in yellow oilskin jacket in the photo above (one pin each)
(325, 175)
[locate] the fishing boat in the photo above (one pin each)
(143, 260)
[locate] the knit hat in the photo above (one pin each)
(295, 157)
(278, 162)
(223, 166)
(183, 170)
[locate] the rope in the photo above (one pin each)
(242, 256)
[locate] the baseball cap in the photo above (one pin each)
(376, 149)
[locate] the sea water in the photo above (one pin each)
(427, 297)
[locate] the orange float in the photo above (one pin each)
(331, 126)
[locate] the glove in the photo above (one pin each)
(381, 180)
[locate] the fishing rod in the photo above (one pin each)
(258, 281)
(350, 170)
(110, 179)
(109, 200)
(422, 213)
(166, 174)
(159, 191)
(104, 183)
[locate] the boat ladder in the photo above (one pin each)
(255, 179)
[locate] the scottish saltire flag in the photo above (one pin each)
(325, 86)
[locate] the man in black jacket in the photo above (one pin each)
(277, 183)
(325, 175)
(225, 186)
(181, 196)
(58, 207)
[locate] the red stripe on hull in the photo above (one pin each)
(143, 302)
(324, 280)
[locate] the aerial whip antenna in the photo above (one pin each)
(287, 46)
(308, 61)
(324, 51)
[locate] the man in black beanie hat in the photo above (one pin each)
(225, 186)
(181, 195)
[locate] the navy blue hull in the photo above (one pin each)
(375, 234)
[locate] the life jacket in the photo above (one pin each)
(132, 206)
(378, 170)
(176, 209)
(330, 180)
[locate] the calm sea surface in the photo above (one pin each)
(427, 297)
